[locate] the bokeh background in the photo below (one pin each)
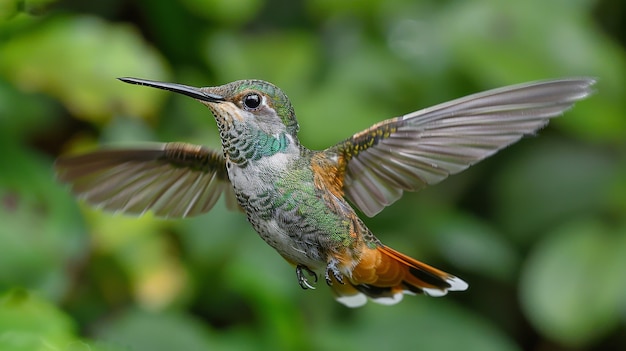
(539, 230)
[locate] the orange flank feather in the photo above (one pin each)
(326, 175)
(385, 275)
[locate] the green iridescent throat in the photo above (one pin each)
(252, 145)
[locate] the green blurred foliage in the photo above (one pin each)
(539, 231)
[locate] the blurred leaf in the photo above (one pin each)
(126, 131)
(137, 330)
(210, 238)
(225, 11)
(474, 246)
(21, 114)
(328, 7)
(347, 98)
(41, 231)
(498, 41)
(287, 59)
(8, 9)
(29, 323)
(617, 192)
(36, 7)
(498, 30)
(573, 284)
(426, 324)
(143, 249)
(549, 181)
(267, 281)
(76, 59)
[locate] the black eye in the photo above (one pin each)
(252, 101)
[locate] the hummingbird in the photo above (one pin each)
(302, 202)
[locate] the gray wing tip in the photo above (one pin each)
(588, 83)
(583, 82)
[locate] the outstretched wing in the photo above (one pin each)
(410, 152)
(172, 179)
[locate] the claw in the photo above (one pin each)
(302, 280)
(332, 269)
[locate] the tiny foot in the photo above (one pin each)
(332, 270)
(302, 280)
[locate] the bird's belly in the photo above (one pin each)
(289, 244)
(284, 208)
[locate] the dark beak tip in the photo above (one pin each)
(131, 80)
(193, 92)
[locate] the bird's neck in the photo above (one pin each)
(245, 144)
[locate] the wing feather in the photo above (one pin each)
(172, 179)
(422, 148)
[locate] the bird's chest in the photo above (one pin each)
(257, 181)
(284, 208)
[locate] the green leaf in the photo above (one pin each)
(28, 322)
(22, 114)
(287, 59)
(475, 246)
(138, 330)
(41, 229)
(573, 284)
(225, 11)
(550, 181)
(77, 59)
(497, 41)
(426, 325)
(327, 8)
(8, 9)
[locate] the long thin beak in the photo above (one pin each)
(193, 92)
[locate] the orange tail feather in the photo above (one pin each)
(384, 275)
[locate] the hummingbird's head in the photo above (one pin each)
(254, 102)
